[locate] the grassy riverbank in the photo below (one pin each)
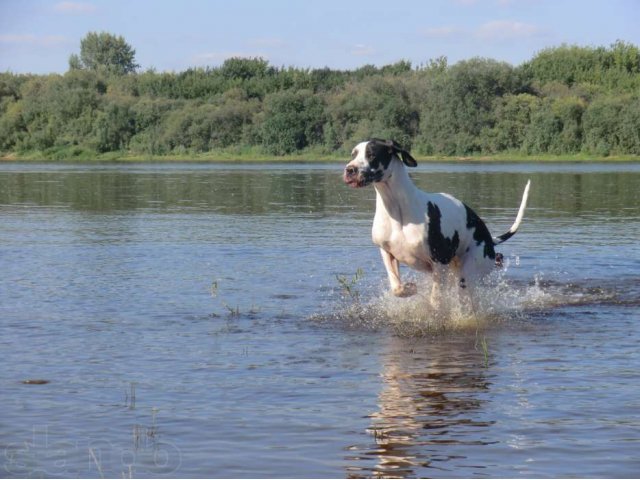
(254, 156)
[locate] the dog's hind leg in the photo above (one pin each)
(441, 277)
(473, 276)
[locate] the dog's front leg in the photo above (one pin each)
(393, 270)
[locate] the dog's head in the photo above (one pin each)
(371, 162)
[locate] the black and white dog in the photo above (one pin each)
(429, 232)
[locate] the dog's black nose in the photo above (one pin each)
(351, 170)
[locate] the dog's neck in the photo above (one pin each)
(397, 193)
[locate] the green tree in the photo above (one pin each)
(245, 68)
(625, 57)
(217, 124)
(611, 125)
(630, 128)
(12, 126)
(292, 121)
(614, 67)
(556, 127)
(114, 127)
(374, 107)
(461, 102)
(513, 115)
(569, 110)
(566, 99)
(104, 52)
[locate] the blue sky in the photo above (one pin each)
(39, 35)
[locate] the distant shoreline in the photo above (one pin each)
(302, 157)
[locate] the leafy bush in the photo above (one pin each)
(292, 121)
(566, 99)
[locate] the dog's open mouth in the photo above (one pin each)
(355, 182)
(362, 180)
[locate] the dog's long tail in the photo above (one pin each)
(514, 228)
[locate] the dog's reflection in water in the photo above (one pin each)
(431, 401)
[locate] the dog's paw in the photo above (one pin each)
(405, 290)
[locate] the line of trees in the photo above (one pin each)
(565, 100)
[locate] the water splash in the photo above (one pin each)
(422, 315)
(498, 301)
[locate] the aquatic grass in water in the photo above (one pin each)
(349, 285)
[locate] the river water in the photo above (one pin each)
(191, 320)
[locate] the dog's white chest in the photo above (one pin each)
(405, 242)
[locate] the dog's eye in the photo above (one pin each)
(354, 154)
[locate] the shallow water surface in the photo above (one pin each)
(207, 321)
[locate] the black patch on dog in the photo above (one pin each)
(480, 233)
(377, 154)
(372, 176)
(442, 249)
(380, 152)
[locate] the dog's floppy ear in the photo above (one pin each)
(406, 157)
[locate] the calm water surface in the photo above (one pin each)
(189, 323)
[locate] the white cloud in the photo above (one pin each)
(507, 30)
(442, 32)
(34, 40)
(266, 42)
(74, 7)
(361, 50)
(11, 38)
(489, 3)
(497, 30)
